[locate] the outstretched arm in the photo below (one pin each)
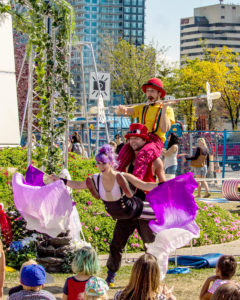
(77, 185)
(142, 185)
(123, 110)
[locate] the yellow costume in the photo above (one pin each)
(151, 116)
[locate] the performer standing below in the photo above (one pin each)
(130, 211)
(138, 138)
(157, 116)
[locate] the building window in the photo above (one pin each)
(140, 10)
(140, 25)
(94, 8)
(133, 32)
(127, 9)
(126, 17)
(134, 10)
(134, 17)
(140, 32)
(127, 24)
(127, 2)
(134, 25)
(94, 24)
(126, 32)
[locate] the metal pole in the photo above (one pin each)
(84, 101)
(65, 148)
(30, 100)
(224, 152)
(106, 127)
(53, 33)
(21, 69)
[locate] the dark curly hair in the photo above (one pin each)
(227, 265)
(174, 140)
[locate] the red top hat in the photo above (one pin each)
(156, 84)
(139, 130)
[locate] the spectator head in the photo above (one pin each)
(144, 281)
(173, 139)
(96, 289)
(85, 261)
(33, 277)
(106, 155)
(113, 144)
(202, 142)
(226, 266)
(117, 136)
(228, 291)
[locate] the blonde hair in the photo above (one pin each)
(27, 263)
(144, 282)
(32, 288)
(103, 297)
(203, 142)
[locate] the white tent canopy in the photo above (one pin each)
(9, 122)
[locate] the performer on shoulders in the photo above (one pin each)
(157, 116)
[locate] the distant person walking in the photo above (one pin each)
(199, 164)
(170, 156)
(119, 143)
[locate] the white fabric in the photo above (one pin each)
(169, 240)
(46, 209)
(75, 226)
(171, 160)
(113, 195)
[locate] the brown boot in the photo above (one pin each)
(123, 183)
(92, 187)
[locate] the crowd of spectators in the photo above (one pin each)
(144, 281)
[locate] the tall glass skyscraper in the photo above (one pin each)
(119, 19)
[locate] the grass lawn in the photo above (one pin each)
(186, 286)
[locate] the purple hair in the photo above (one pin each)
(106, 155)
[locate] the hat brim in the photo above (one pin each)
(143, 136)
(156, 87)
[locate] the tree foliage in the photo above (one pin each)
(130, 66)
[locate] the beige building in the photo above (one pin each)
(218, 25)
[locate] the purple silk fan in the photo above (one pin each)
(173, 203)
(45, 208)
(34, 176)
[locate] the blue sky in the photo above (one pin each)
(163, 21)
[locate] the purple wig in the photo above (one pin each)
(106, 155)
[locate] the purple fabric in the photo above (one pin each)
(34, 176)
(173, 203)
(47, 208)
(175, 209)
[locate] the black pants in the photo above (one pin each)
(122, 231)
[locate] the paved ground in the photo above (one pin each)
(232, 248)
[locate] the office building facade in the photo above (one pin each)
(94, 19)
(216, 25)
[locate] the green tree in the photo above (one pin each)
(130, 66)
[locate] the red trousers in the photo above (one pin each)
(149, 152)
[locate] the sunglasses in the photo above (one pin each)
(138, 131)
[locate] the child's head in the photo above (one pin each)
(226, 266)
(145, 277)
(228, 291)
(96, 289)
(85, 261)
(33, 277)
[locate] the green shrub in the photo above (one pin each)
(217, 225)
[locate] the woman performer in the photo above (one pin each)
(112, 187)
